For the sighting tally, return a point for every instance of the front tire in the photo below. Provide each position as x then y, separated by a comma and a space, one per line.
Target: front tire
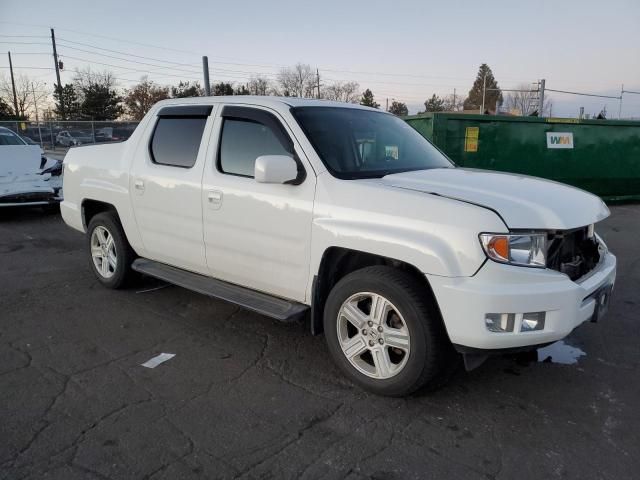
385, 333
110, 253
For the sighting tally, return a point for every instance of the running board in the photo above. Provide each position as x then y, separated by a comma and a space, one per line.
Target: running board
259, 302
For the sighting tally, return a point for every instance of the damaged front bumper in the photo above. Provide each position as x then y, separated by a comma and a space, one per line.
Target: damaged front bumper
515, 294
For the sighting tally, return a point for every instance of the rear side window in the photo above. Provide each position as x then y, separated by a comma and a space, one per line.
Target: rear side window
176, 141
242, 142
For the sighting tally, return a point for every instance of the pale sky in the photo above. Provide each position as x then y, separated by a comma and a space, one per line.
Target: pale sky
405, 50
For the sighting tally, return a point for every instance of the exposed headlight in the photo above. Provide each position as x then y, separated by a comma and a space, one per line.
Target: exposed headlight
528, 249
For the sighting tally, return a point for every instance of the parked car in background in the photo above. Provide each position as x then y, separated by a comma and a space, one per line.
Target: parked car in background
113, 134
26, 176
347, 217
71, 138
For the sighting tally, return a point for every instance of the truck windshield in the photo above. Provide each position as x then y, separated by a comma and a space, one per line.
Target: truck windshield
354, 143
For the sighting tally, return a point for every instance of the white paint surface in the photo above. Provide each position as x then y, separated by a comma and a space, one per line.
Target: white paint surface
158, 359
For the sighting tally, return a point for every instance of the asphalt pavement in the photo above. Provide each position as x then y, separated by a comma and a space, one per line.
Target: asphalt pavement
248, 397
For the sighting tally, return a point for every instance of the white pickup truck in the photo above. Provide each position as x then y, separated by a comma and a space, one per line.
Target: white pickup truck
347, 217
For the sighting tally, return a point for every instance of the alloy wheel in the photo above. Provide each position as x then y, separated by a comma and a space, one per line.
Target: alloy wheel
373, 335
103, 252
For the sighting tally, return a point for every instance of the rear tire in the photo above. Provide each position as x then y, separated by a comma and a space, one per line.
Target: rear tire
110, 254
385, 333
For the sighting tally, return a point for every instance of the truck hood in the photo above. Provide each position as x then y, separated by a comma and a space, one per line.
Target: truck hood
523, 202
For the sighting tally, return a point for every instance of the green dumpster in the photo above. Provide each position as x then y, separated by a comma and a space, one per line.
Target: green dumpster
601, 156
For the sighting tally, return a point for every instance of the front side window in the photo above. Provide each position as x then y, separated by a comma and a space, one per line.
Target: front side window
355, 143
176, 141
242, 142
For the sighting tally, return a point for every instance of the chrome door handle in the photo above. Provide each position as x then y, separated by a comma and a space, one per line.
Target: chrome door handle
214, 197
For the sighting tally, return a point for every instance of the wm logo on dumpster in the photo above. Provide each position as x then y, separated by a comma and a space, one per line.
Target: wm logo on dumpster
559, 140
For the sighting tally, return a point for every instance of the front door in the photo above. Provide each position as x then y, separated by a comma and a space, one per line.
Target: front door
256, 235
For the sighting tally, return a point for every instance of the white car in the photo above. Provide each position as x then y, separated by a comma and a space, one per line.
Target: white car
344, 216
73, 138
27, 177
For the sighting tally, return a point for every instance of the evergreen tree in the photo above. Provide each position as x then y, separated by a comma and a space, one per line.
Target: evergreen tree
69, 101
474, 100
6, 112
223, 88
187, 89
101, 103
434, 104
368, 100
98, 96
398, 108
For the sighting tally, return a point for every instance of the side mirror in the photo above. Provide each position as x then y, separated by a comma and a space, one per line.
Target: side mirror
275, 169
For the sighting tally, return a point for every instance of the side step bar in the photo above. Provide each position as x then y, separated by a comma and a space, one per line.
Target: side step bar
259, 302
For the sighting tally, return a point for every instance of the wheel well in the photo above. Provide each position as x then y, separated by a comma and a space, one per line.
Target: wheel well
338, 262
90, 208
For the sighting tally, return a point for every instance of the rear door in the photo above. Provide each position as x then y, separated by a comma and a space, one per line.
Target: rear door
256, 235
166, 188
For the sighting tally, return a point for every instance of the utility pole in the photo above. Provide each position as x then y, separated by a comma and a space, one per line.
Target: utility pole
454, 101
205, 72
387, 104
35, 103
541, 99
318, 82
620, 106
55, 60
484, 91
13, 86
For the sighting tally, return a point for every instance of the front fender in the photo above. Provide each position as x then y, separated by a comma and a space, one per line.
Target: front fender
436, 235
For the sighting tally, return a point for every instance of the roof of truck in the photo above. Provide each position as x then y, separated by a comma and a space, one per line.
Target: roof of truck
264, 100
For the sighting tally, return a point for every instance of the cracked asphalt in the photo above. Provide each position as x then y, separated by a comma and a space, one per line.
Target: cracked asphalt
248, 397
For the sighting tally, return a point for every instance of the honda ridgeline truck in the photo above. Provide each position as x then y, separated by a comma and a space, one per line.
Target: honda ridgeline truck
346, 217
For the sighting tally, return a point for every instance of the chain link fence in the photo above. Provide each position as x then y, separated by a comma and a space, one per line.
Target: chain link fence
52, 135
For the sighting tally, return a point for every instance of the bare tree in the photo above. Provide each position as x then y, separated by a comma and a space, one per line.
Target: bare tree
348, 92
87, 78
454, 103
297, 81
259, 85
25, 89
524, 102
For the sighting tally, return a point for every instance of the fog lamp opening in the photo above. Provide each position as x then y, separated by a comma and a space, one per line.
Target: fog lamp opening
500, 322
532, 321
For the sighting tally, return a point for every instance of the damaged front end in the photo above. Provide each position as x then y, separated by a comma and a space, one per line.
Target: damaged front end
574, 252
30, 190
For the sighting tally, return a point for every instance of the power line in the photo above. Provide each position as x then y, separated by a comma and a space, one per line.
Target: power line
127, 41
125, 59
123, 53
25, 43
23, 36
121, 67
584, 94
155, 65
31, 68
30, 53
262, 65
